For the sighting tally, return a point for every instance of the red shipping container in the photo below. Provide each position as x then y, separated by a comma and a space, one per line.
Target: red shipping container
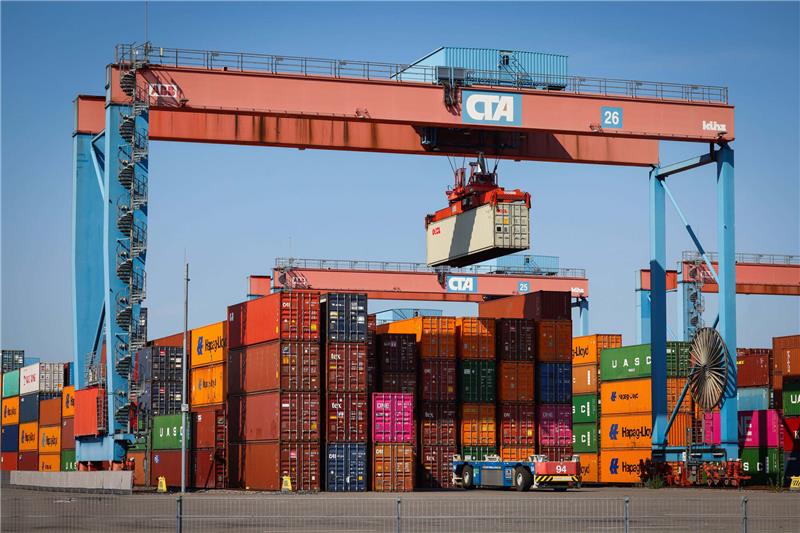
255, 417
288, 316
476, 338
301, 462
300, 416
438, 424
539, 305
399, 382
516, 382
255, 466
50, 412
554, 341
273, 365
554, 425
175, 340
517, 425
392, 417
204, 425
167, 464
516, 339
86, 401
437, 466
393, 468
438, 380
752, 369
8, 461
397, 352
204, 470
347, 417
68, 434
790, 426
347, 367
28, 461
785, 343
788, 362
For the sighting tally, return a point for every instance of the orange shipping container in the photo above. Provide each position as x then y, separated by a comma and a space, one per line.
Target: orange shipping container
516, 382
29, 437
68, 402
478, 426
636, 431
436, 335
584, 379
516, 453
50, 462
587, 349
589, 467
86, 410
11, 411
788, 361
393, 468
622, 466
50, 439
138, 458
554, 341
208, 344
476, 338
50, 412
631, 396
208, 385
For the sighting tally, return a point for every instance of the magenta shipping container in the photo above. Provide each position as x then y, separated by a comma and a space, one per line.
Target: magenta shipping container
711, 433
760, 429
555, 425
393, 417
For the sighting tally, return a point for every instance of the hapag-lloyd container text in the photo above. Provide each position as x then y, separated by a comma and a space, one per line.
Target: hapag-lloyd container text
208, 385
289, 316
586, 349
392, 417
208, 344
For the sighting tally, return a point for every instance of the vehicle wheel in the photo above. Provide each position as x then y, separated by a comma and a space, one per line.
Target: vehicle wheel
467, 479
522, 479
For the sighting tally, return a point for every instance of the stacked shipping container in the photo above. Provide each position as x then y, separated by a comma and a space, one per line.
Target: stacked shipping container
516, 354
40, 387
68, 429
478, 385
786, 385
10, 421
393, 442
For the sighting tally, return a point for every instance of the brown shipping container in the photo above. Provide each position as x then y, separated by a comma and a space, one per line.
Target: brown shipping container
399, 382
539, 305
138, 459
554, 341
752, 369
397, 352
785, 343
8, 461
347, 367
438, 380
301, 462
516, 382
204, 471
347, 417
50, 412
478, 427
437, 466
279, 364
516, 339
476, 338
255, 417
300, 416
436, 335
172, 340
517, 425
438, 424
68, 434
393, 468
288, 316
788, 362
167, 463
584, 379
28, 461
255, 466
586, 349
204, 423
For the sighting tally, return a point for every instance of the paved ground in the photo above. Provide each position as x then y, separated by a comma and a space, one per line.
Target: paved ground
588, 509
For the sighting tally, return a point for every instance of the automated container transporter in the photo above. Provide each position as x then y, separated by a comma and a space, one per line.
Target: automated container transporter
534, 472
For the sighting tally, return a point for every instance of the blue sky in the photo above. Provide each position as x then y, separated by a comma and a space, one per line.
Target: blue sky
232, 210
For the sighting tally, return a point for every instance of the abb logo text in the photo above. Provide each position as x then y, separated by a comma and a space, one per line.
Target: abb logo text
163, 90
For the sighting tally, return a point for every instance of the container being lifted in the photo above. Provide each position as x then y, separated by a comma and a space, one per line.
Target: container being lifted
481, 222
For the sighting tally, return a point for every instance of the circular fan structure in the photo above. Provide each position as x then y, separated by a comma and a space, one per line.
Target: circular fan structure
709, 374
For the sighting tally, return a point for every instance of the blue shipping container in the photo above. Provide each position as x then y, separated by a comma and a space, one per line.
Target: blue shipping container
752, 398
554, 382
346, 468
29, 408
10, 439
344, 316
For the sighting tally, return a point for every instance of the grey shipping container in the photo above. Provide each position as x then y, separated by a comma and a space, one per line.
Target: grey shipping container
12, 360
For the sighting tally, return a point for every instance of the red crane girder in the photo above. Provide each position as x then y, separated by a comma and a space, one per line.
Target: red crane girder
751, 278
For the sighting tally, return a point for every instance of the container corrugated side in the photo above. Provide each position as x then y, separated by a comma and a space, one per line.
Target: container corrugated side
346, 467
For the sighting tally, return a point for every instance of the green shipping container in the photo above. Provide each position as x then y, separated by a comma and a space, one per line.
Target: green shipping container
167, 432
478, 381
584, 408
791, 397
68, 461
633, 362
763, 465
584, 438
11, 384
478, 452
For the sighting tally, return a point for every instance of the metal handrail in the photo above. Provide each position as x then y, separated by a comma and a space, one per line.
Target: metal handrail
758, 259
399, 266
126, 54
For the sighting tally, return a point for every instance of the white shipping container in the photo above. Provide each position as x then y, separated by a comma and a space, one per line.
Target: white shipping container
479, 234
41, 377
29, 379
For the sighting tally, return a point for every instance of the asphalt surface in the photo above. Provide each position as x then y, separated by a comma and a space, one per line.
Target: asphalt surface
587, 509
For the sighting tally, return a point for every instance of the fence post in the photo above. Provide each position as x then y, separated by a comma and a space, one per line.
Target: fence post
398, 515
744, 514
627, 516
179, 516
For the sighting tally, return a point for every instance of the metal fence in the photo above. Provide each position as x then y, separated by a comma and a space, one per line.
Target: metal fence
452, 512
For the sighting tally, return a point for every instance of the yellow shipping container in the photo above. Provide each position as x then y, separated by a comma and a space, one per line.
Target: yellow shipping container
29, 437
622, 466
11, 411
208, 344
50, 439
589, 467
50, 462
208, 385
68, 402
586, 350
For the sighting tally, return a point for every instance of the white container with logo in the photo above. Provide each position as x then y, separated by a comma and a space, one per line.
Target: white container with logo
29, 378
41, 377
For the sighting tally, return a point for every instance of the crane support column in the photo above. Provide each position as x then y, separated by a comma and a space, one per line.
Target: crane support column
726, 238
658, 308
643, 316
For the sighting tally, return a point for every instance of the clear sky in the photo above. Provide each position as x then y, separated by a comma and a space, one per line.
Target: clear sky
232, 210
